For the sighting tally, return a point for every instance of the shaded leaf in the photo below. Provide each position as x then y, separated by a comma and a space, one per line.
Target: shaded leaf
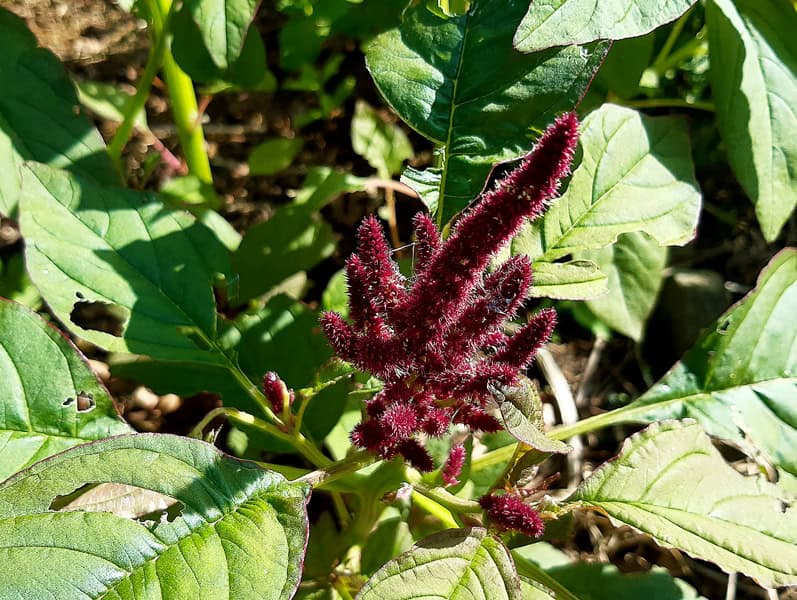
635, 264
384, 145
740, 379
40, 370
109, 102
671, 483
274, 155
223, 26
241, 532
295, 238
561, 22
754, 83
595, 581
636, 174
153, 265
459, 82
40, 117
453, 564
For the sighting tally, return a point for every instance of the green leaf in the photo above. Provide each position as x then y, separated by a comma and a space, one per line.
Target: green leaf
459, 82
384, 145
671, 483
294, 239
389, 539
274, 155
521, 412
740, 379
560, 22
223, 25
595, 581
754, 82
40, 118
635, 264
15, 283
636, 174
426, 183
624, 65
454, 564
572, 280
86, 243
245, 67
336, 295
41, 376
109, 102
241, 532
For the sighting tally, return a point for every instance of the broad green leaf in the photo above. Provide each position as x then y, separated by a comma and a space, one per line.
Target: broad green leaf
459, 82
223, 25
456, 564
740, 379
109, 102
671, 483
559, 22
754, 83
634, 263
384, 145
572, 280
241, 532
204, 61
294, 239
88, 243
40, 118
635, 174
336, 295
40, 372
596, 581
274, 155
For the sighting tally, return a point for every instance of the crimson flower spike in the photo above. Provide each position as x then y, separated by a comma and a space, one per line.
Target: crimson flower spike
438, 345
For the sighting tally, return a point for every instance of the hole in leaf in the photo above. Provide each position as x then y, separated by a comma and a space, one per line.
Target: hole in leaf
84, 401
99, 316
128, 501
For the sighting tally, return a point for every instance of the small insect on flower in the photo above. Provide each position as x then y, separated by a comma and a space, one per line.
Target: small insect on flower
438, 343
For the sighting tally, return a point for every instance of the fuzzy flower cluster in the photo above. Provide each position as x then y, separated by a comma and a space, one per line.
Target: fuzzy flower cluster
438, 344
508, 511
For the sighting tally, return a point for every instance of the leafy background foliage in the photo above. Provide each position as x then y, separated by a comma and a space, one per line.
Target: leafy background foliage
197, 301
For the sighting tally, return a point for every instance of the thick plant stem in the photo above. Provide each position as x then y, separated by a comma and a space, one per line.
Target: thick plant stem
333, 471
183, 101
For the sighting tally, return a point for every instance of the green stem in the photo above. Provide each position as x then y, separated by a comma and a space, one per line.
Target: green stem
625, 414
688, 50
332, 471
183, 101
428, 505
675, 32
668, 103
137, 102
447, 500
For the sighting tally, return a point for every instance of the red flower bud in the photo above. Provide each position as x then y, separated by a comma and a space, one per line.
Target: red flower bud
277, 392
453, 466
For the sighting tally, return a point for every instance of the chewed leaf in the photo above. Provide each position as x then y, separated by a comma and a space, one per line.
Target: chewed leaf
671, 483
241, 532
50, 399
